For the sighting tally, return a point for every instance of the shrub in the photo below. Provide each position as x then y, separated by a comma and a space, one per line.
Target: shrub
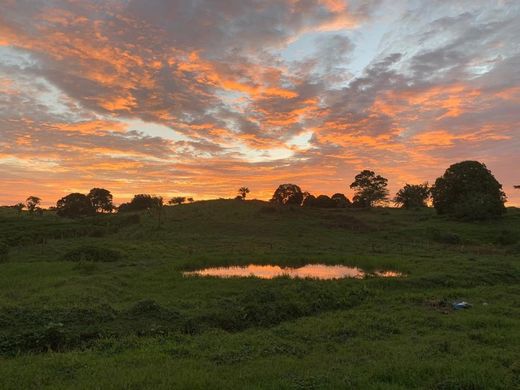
93, 253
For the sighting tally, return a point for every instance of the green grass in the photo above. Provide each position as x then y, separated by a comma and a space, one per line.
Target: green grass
102, 302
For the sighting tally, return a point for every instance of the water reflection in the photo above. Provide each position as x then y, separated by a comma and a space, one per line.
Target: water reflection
314, 271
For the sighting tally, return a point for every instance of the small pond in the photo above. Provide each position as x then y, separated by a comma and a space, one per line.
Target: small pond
314, 271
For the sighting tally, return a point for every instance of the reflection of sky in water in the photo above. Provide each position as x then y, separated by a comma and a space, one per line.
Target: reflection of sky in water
315, 271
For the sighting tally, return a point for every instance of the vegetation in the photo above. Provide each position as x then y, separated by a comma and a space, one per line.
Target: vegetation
142, 202
341, 200
370, 189
75, 205
101, 200
243, 191
413, 196
288, 194
178, 200
101, 302
468, 190
32, 204
84, 301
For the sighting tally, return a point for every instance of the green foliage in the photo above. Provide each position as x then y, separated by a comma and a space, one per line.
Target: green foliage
101, 200
92, 253
142, 202
413, 196
90, 324
323, 201
309, 201
341, 200
288, 194
32, 203
370, 189
469, 191
75, 205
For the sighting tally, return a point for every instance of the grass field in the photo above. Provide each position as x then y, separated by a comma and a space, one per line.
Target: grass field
137, 322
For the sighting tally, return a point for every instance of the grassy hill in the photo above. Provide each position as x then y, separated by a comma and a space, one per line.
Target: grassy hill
103, 303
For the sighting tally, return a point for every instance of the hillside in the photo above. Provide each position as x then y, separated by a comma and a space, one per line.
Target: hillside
105, 297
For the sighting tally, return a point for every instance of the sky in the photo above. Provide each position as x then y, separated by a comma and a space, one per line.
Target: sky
201, 97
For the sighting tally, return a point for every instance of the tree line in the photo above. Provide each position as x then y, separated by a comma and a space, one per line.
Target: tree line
466, 190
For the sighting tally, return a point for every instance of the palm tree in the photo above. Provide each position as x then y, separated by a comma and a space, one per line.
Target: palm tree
243, 191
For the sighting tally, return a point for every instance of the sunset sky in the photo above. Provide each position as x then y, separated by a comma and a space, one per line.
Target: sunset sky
200, 97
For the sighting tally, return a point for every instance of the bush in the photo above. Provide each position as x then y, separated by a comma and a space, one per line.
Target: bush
92, 253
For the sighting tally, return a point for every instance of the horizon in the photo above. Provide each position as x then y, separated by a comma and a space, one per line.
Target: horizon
200, 98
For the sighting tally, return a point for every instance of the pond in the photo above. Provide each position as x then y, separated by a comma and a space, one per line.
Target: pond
314, 271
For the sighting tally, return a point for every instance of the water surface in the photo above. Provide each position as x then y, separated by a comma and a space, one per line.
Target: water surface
314, 271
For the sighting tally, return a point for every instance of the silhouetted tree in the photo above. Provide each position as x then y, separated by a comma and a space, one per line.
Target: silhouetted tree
413, 196
32, 203
309, 201
370, 189
101, 200
178, 200
19, 207
287, 194
341, 200
323, 201
141, 202
517, 187
468, 190
75, 205
190, 199
243, 191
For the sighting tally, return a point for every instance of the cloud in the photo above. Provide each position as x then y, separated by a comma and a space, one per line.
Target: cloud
442, 85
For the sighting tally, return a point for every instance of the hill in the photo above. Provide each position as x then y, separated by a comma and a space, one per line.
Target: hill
102, 302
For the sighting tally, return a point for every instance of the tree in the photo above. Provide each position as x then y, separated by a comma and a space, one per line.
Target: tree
141, 202
75, 205
370, 189
32, 203
413, 196
468, 190
178, 200
517, 187
309, 201
190, 199
101, 200
323, 201
341, 200
287, 194
243, 191
19, 207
